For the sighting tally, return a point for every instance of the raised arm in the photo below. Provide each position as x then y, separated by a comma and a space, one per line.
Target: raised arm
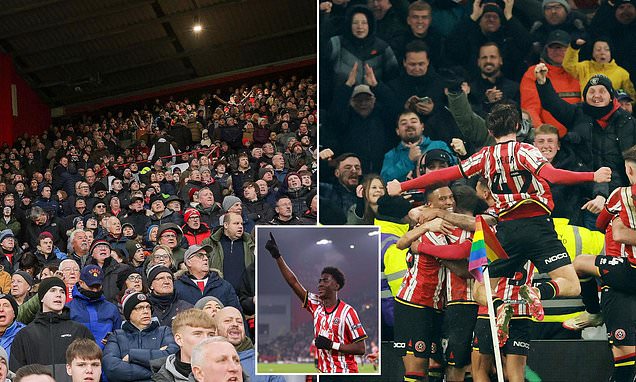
560, 176
441, 176
287, 273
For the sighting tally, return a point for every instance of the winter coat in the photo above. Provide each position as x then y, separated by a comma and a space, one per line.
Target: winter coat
210, 216
566, 86
45, 341
165, 313
6, 340
596, 146
188, 291
13, 224
167, 216
165, 371
397, 164
217, 255
55, 258
111, 270
99, 316
141, 346
139, 220
52, 226
49, 205
258, 210
196, 236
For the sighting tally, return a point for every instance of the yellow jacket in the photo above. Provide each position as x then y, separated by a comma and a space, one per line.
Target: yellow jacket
586, 69
578, 240
394, 259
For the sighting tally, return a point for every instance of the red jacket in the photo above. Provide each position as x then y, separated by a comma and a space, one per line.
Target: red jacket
566, 86
196, 237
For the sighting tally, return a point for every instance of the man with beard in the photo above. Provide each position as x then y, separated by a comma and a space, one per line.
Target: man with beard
339, 196
229, 324
90, 308
491, 86
399, 163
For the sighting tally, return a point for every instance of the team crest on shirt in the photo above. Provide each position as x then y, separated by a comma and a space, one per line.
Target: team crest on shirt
619, 334
433, 348
336, 321
420, 346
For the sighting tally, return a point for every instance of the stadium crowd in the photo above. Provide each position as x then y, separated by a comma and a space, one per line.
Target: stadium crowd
118, 227
408, 88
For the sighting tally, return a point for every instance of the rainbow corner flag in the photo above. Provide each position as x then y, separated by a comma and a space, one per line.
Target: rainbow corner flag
485, 249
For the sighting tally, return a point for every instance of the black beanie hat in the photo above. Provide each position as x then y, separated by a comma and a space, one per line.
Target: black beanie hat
393, 208
12, 301
123, 275
155, 270
47, 284
130, 301
599, 79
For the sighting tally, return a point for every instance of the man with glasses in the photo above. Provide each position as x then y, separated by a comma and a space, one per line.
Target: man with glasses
194, 230
129, 350
170, 235
199, 281
70, 275
165, 302
89, 307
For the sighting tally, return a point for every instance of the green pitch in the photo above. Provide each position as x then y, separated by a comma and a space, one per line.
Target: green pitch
308, 368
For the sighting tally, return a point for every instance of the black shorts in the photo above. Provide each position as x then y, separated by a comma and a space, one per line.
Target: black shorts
417, 331
617, 273
619, 313
518, 342
532, 239
457, 333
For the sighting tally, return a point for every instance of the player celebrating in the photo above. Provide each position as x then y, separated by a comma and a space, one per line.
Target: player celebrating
518, 176
338, 333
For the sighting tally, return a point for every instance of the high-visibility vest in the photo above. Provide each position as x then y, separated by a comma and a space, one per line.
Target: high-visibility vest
393, 259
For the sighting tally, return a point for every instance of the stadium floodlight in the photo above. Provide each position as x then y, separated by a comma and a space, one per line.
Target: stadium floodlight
323, 242
197, 28
352, 246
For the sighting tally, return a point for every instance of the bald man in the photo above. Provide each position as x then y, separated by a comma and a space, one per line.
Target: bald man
229, 324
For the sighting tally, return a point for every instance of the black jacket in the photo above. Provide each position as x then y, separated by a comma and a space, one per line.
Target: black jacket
45, 340
165, 308
597, 146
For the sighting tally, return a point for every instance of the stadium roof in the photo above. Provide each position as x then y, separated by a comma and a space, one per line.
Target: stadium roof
75, 51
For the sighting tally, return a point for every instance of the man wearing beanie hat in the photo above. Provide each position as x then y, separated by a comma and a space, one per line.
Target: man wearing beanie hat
45, 340
490, 20
232, 249
9, 326
194, 230
164, 301
235, 205
89, 306
161, 214
21, 284
556, 15
100, 255
136, 255
136, 215
210, 305
129, 350
200, 281
600, 130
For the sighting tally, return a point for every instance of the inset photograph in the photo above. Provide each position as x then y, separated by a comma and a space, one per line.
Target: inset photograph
317, 300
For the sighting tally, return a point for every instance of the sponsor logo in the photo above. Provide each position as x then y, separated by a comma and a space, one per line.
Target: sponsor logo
420, 346
433, 348
554, 258
616, 261
521, 344
66, 335
399, 345
619, 334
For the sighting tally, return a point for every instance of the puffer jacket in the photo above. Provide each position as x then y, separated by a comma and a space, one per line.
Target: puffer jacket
196, 236
99, 316
165, 308
6, 340
141, 346
45, 341
188, 291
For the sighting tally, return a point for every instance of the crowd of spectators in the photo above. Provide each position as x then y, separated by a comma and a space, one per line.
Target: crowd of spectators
114, 223
448, 63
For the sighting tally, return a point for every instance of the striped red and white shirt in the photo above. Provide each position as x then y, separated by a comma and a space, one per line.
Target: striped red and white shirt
508, 290
627, 214
340, 324
458, 288
613, 206
424, 281
511, 169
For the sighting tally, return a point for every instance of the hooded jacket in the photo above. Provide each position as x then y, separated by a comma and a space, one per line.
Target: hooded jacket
196, 236
99, 316
165, 371
141, 346
6, 340
397, 164
342, 52
188, 291
45, 341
